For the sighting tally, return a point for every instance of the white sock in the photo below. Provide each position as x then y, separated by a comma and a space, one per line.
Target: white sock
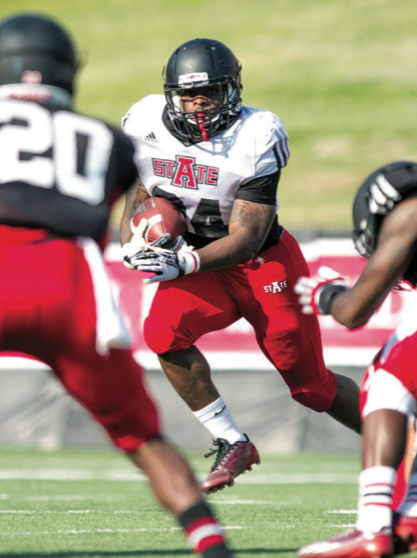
409, 506
217, 419
376, 486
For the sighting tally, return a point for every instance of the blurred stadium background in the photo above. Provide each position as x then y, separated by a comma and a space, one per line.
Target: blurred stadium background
340, 75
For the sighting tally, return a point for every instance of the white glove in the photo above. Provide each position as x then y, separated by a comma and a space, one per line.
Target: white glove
138, 243
316, 295
383, 196
165, 264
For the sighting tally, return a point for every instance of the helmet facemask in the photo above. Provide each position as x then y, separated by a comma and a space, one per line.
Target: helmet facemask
365, 235
204, 123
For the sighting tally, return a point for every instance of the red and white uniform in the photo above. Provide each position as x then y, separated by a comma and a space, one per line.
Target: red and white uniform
205, 179
59, 174
390, 382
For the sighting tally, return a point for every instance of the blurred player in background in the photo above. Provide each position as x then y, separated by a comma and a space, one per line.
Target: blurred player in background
220, 163
385, 232
60, 172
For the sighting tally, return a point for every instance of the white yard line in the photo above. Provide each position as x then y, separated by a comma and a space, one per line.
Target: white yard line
55, 498
91, 531
253, 478
39, 512
251, 502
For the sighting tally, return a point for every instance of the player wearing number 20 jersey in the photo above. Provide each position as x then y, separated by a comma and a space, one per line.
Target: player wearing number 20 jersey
59, 170
59, 174
221, 162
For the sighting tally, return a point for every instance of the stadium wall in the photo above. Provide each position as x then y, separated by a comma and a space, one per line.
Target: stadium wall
36, 412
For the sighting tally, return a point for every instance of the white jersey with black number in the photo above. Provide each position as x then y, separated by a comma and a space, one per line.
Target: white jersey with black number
205, 178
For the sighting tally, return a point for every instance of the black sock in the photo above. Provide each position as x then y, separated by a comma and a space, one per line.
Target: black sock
203, 532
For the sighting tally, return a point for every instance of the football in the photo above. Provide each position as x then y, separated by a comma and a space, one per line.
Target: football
163, 217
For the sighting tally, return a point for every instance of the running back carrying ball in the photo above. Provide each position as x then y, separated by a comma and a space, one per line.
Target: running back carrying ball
163, 217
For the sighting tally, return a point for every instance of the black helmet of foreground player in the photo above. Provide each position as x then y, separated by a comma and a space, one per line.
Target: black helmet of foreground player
199, 63
36, 50
378, 195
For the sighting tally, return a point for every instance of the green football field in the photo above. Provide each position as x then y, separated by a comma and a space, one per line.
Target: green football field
95, 504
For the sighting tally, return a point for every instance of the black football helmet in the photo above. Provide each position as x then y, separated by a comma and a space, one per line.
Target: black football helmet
402, 176
199, 63
34, 47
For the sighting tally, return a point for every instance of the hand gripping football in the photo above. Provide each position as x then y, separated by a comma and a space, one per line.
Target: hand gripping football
163, 217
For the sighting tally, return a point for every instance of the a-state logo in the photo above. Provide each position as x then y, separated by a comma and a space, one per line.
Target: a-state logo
185, 173
276, 287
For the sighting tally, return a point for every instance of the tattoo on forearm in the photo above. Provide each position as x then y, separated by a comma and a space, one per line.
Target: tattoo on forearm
134, 197
250, 214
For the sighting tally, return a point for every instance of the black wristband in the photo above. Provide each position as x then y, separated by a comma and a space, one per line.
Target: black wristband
326, 296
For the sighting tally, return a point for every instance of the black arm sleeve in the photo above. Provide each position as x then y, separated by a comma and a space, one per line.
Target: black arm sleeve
261, 190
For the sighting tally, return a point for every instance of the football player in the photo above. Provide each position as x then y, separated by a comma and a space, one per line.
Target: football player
220, 162
60, 172
385, 232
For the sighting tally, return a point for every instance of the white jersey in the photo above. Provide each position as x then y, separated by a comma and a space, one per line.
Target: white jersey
205, 178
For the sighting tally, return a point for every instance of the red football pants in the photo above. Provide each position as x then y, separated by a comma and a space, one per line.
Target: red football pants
262, 292
397, 357
47, 310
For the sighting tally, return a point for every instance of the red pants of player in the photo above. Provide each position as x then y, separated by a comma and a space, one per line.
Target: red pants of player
262, 292
48, 311
397, 359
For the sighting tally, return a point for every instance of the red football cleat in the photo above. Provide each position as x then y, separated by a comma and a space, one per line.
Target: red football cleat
232, 460
352, 544
405, 533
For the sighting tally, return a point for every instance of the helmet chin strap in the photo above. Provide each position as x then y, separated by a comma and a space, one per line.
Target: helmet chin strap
200, 123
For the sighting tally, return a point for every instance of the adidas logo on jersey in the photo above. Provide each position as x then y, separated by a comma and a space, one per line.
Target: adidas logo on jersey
151, 137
